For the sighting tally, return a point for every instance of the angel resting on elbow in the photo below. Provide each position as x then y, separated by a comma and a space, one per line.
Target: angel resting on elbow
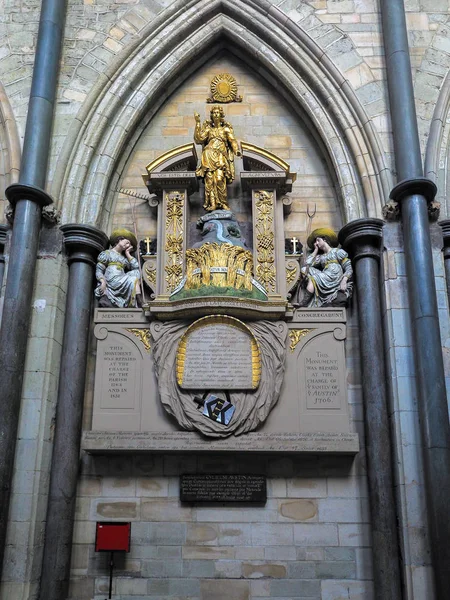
118, 272
327, 275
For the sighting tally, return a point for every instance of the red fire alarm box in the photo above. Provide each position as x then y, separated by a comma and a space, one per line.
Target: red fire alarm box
113, 537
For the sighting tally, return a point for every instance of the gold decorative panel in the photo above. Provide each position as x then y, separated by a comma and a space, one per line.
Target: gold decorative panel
265, 239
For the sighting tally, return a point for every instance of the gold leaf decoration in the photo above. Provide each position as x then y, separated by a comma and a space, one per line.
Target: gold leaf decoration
295, 335
265, 240
174, 239
143, 335
150, 271
224, 89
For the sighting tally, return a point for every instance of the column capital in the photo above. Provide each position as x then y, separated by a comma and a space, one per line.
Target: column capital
83, 242
362, 238
416, 185
25, 191
445, 226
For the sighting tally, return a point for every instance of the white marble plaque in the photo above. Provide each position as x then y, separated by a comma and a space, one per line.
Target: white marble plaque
218, 356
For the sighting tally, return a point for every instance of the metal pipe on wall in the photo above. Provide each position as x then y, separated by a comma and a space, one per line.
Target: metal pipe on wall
413, 191
28, 197
83, 244
363, 240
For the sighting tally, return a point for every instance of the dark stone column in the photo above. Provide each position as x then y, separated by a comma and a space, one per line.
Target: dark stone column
445, 225
83, 244
28, 197
363, 241
3, 233
28, 203
413, 192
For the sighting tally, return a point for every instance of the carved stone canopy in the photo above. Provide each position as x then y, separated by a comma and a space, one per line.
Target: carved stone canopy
173, 169
176, 169
264, 169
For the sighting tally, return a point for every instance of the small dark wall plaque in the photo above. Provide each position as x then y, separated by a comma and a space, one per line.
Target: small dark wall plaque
223, 488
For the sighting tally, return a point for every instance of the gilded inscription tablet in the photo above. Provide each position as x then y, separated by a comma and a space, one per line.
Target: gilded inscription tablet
218, 353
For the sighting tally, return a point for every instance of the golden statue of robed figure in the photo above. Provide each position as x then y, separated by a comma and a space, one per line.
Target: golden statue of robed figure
217, 162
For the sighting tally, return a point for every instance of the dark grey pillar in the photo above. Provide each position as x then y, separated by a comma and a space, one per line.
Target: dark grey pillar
413, 192
83, 244
445, 225
363, 241
3, 233
28, 197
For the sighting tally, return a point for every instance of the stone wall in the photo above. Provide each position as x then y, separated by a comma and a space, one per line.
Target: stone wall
313, 537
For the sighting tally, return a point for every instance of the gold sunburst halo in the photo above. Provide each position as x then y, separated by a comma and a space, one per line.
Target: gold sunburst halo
224, 89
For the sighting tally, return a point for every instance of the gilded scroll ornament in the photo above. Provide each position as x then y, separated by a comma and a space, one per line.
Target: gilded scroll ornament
291, 272
295, 335
174, 239
265, 240
143, 335
150, 272
217, 162
224, 89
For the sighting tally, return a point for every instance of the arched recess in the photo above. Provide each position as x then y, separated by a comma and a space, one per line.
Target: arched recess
262, 36
438, 147
10, 152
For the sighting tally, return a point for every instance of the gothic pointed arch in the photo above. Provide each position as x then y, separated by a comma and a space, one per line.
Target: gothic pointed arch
9, 148
129, 94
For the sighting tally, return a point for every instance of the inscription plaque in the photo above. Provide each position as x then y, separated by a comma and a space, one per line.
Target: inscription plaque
119, 374
322, 381
223, 488
218, 353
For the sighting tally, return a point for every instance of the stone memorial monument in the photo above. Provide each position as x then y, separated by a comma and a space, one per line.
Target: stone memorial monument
219, 358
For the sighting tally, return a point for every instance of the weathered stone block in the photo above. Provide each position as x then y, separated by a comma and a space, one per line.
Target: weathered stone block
224, 590
115, 509
165, 510
281, 534
260, 570
298, 510
315, 534
291, 588
351, 590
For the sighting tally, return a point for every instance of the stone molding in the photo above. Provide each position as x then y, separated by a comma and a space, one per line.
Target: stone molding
11, 150
283, 53
445, 226
418, 185
83, 242
25, 191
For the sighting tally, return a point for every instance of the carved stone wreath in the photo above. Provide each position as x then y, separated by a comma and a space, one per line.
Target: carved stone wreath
252, 407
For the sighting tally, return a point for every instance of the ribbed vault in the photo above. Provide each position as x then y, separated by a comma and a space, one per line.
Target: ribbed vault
135, 87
